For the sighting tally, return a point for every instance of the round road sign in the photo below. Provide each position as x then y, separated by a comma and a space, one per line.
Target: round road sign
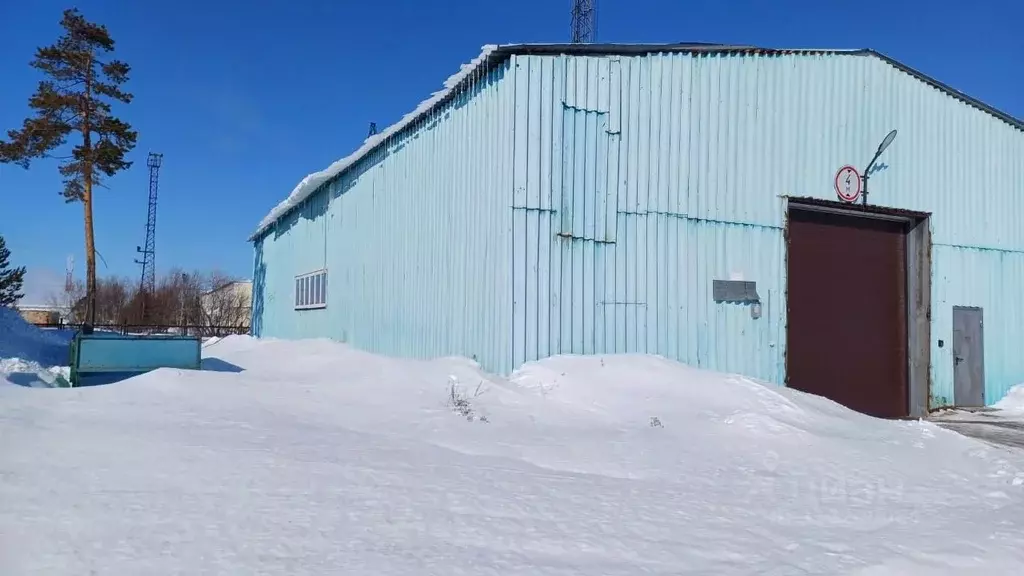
848, 184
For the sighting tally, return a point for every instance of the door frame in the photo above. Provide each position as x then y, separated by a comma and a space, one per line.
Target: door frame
981, 349
918, 297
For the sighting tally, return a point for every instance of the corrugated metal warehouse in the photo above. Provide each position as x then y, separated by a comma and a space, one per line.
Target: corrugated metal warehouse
682, 200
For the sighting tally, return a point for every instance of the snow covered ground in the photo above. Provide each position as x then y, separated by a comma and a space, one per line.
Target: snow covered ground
30, 356
1002, 423
1013, 402
312, 458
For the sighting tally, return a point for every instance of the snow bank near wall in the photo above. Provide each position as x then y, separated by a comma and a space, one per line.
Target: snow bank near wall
310, 183
303, 457
30, 356
1013, 401
19, 339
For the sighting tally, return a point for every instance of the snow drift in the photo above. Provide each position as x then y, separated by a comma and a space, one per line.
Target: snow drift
310, 458
1013, 401
30, 356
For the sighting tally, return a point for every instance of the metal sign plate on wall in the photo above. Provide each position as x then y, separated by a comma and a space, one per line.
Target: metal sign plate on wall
848, 184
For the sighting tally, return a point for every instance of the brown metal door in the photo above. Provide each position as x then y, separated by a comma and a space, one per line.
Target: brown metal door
846, 332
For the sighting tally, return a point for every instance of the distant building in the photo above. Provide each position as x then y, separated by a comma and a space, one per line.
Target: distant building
40, 315
228, 305
683, 200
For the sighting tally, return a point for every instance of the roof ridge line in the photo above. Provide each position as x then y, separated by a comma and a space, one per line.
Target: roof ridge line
491, 53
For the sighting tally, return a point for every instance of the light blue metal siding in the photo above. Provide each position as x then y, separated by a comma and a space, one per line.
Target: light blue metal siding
614, 251
415, 238
297, 244
640, 179
993, 280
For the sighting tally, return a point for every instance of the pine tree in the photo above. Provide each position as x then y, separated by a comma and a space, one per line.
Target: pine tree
10, 278
74, 98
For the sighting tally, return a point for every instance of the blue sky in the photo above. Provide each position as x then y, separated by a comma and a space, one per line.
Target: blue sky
246, 98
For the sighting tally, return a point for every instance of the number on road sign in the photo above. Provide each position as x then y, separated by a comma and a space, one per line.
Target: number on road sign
848, 184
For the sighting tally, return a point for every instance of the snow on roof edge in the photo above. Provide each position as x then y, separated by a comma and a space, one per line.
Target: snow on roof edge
313, 181
308, 185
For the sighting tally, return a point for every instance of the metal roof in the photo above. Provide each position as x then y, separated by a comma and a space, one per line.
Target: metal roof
493, 56
708, 48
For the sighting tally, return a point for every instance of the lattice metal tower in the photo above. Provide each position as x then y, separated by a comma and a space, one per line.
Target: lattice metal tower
584, 21
148, 284
69, 276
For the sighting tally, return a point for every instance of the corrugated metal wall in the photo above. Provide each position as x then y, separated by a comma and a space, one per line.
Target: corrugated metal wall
614, 248
416, 240
639, 180
993, 280
635, 181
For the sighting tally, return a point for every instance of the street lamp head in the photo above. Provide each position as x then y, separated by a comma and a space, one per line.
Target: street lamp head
867, 171
885, 143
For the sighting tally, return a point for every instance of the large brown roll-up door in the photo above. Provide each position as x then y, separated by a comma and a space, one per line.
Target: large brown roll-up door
846, 293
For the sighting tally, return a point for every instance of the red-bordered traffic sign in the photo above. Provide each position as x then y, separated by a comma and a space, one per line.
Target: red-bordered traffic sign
848, 184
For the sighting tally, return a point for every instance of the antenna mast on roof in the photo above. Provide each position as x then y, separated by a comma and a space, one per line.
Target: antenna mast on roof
584, 21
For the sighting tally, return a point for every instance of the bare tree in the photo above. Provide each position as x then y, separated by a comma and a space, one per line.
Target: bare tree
111, 298
208, 303
226, 303
66, 299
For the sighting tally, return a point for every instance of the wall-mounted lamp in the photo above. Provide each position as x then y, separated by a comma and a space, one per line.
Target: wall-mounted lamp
881, 148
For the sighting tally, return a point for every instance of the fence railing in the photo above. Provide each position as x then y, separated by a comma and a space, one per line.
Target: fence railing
185, 330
